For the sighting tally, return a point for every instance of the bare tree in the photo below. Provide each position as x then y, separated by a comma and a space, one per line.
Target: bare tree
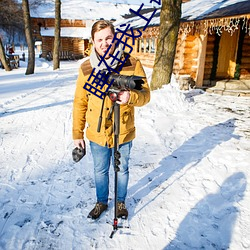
169, 27
11, 16
56, 59
11, 24
28, 33
3, 57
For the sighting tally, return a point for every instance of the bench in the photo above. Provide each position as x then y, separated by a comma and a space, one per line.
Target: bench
13, 61
63, 55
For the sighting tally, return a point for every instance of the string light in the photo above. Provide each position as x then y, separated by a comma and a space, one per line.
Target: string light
218, 25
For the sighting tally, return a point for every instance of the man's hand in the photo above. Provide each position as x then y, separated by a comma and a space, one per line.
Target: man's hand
79, 143
123, 97
79, 151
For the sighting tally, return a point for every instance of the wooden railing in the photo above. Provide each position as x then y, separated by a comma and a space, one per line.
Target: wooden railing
64, 55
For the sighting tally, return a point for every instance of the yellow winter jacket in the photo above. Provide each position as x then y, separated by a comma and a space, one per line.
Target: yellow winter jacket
87, 107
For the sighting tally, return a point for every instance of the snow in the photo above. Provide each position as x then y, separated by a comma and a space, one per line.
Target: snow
192, 10
80, 32
189, 169
84, 10
197, 9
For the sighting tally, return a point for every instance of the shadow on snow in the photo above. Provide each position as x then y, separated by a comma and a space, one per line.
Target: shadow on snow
22, 110
210, 223
207, 213
190, 153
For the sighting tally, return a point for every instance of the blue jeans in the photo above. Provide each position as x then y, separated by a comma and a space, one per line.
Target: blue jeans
102, 158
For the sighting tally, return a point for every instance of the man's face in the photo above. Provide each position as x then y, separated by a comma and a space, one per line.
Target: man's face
102, 40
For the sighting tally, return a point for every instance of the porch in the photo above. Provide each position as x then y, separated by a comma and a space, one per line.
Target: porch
231, 87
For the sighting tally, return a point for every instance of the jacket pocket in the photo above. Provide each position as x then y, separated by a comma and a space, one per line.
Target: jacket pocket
127, 120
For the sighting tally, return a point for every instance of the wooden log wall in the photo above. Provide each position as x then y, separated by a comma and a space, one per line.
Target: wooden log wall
178, 61
47, 45
66, 44
209, 57
186, 55
73, 45
50, 22
79, 46
191, 55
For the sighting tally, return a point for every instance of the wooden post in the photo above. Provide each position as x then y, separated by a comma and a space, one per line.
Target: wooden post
201, 60
149, 45
144, 45
140, 43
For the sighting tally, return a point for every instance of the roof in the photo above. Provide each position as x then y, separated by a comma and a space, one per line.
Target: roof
194, 10
77, 32
209, 9
82, 10
138, 22
232, 10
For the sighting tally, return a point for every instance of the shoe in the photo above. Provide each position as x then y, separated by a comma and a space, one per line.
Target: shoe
97, 210
122, 211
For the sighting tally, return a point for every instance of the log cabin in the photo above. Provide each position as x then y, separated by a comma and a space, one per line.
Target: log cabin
213, 43
74, 37
77, 18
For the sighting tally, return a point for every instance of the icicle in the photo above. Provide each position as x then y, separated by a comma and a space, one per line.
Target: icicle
216, 25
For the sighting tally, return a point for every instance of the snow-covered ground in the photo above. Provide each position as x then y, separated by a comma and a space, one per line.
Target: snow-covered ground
189, 169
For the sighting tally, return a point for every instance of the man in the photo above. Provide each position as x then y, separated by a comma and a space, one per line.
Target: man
87, 107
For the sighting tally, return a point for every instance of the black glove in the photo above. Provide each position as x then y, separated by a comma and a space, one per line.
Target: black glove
78, 153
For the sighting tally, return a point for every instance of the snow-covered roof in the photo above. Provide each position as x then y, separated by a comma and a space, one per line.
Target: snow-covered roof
92, 10
194, 10
206, 9
79, 32
83, 10
138, 22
